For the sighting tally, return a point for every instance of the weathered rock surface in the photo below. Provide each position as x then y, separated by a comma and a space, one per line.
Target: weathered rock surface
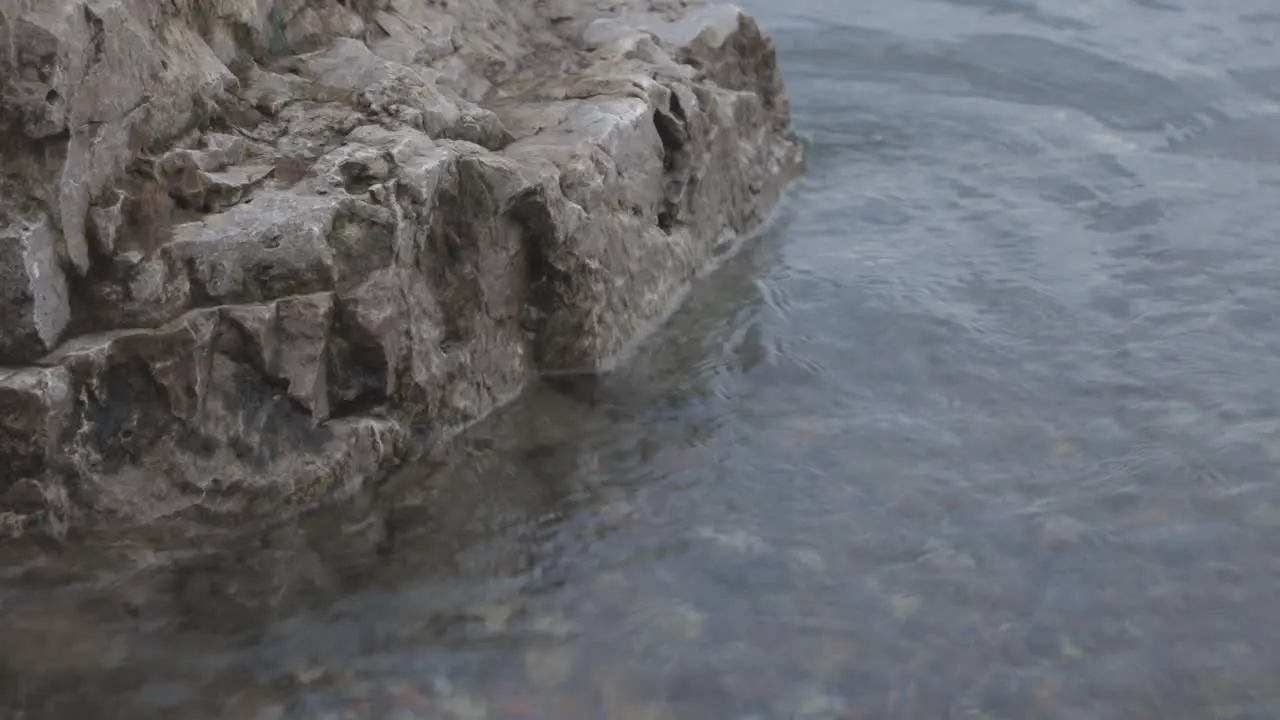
250, 248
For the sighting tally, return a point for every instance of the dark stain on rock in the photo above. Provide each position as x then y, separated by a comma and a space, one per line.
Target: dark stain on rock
127, 414
357, 367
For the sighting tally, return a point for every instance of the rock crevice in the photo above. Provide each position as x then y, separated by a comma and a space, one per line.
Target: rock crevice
250, 248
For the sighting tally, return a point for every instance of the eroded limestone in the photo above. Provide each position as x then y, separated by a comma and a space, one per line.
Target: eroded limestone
249, 250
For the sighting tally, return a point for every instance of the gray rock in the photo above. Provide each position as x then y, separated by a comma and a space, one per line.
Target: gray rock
106, 219
97, 80
34, 303
288, 342
259, 246
35, 407
220, 409
203, 179
400, 93
275, 247
133, 289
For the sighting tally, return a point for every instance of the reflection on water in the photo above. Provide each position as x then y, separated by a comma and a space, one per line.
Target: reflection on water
986, 426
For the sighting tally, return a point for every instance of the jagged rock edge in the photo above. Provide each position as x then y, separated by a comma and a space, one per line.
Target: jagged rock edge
227, 359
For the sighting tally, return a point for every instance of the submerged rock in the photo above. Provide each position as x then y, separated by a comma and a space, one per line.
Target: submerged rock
248, 250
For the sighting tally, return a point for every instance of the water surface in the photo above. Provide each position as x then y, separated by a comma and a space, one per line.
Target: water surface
987, 425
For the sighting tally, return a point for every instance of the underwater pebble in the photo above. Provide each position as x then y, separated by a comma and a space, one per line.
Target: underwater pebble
1062, 530
550, 667
810, 559
904, 606
738, 540
408, 697
496, 617
462, 707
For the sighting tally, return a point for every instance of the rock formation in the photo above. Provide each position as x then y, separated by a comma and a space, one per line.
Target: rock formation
250, 248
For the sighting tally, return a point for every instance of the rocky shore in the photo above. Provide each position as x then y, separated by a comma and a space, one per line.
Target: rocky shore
254, 252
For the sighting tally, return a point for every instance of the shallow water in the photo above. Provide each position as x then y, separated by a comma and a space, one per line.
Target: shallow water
986, 426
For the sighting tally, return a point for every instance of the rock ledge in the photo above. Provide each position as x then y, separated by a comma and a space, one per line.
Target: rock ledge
250, 248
